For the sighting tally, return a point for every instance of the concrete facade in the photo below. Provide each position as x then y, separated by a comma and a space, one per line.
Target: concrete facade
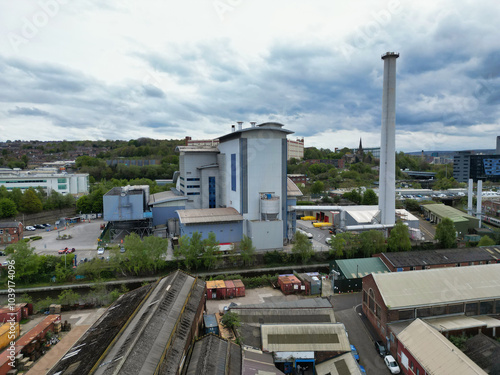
63, 183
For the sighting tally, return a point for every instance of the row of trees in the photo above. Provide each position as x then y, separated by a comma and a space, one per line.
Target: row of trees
194, 251
365, 244
31, 201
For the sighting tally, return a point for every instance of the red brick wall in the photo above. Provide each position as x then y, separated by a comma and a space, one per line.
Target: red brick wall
411, 360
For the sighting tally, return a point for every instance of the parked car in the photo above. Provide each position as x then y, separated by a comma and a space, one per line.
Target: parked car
355, 353
46, 225
100, 251
380, 348
30, 228
62, 251
328, 240
72, 250
391, 364
2, 253
362, 369
122, 249
39, 226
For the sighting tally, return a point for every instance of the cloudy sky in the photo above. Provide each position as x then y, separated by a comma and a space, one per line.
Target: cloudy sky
126, 69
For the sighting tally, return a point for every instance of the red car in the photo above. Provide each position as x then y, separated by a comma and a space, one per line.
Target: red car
62, 251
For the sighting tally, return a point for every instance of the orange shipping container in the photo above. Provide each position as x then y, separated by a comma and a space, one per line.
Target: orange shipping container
5, 338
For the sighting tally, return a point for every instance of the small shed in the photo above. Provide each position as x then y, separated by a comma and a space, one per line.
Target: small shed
221, 289
230, 289
239, 288
210, 324
211, 289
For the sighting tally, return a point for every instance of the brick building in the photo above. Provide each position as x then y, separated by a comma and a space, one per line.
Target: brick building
10, 232
391, 301
422, 260
491, 207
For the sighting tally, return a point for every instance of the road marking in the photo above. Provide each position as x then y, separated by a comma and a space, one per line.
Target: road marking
81, 316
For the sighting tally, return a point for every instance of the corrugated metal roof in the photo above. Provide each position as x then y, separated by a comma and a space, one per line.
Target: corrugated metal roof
257, 363
435, 353
287, 316
360, 267
456, 322
309, 303
341, 365
209, 215
442, 210
446, 256
439, 286
292, 190
165, 196
304, 337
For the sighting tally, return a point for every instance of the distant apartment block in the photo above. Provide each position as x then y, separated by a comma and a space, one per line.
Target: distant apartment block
478, 167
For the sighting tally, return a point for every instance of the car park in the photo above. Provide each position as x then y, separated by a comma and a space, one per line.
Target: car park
354, 352
391, 364
380, 348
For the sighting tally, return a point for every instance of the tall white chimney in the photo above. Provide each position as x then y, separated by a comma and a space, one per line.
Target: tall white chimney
240, 125
387, 175
470, 194
479, 200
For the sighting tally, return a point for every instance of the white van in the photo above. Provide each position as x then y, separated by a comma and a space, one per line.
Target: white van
309, 235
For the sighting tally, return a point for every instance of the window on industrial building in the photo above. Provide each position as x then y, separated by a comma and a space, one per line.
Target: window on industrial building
406, 314
438, 310
62, 187
193, 179
211, 192
377, 311
422, 313
61, 180
471, 309
233, 172
497, 307
371, 300
486, 308
197, 193
364, 297
1, 231
193, 186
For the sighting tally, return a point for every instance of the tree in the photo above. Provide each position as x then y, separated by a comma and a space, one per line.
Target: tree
302, 247
247, 250
354, 196
7, 208
317, 187
399, 238
27, 263
231, 320
369, 197
191, 249
68, 297
345, 245
30, 203
486, 241
210, 250
84, 205
446, 234
372, 242
412, 205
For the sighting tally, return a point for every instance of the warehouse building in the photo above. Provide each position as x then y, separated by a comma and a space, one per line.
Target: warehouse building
213, 355
464, 223
392, 300
344, 364
350, 272
423, 260
148, 330
423, 350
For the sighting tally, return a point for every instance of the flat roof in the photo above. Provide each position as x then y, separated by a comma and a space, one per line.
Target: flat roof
438, 286
445, 256
434, 352
304, 337
360, 267
273, 126
309, 303
209, 215
344, 364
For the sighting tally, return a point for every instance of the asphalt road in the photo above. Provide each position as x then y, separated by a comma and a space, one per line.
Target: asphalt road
347, 309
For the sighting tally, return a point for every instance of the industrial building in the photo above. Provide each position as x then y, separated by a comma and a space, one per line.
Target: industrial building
146, 331
423, 260
463, 222
343, 364
245, 172
349, 273
62, 183
423, 350
461, 299
213, 355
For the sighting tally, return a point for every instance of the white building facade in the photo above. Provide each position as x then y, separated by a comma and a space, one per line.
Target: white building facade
63, 183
